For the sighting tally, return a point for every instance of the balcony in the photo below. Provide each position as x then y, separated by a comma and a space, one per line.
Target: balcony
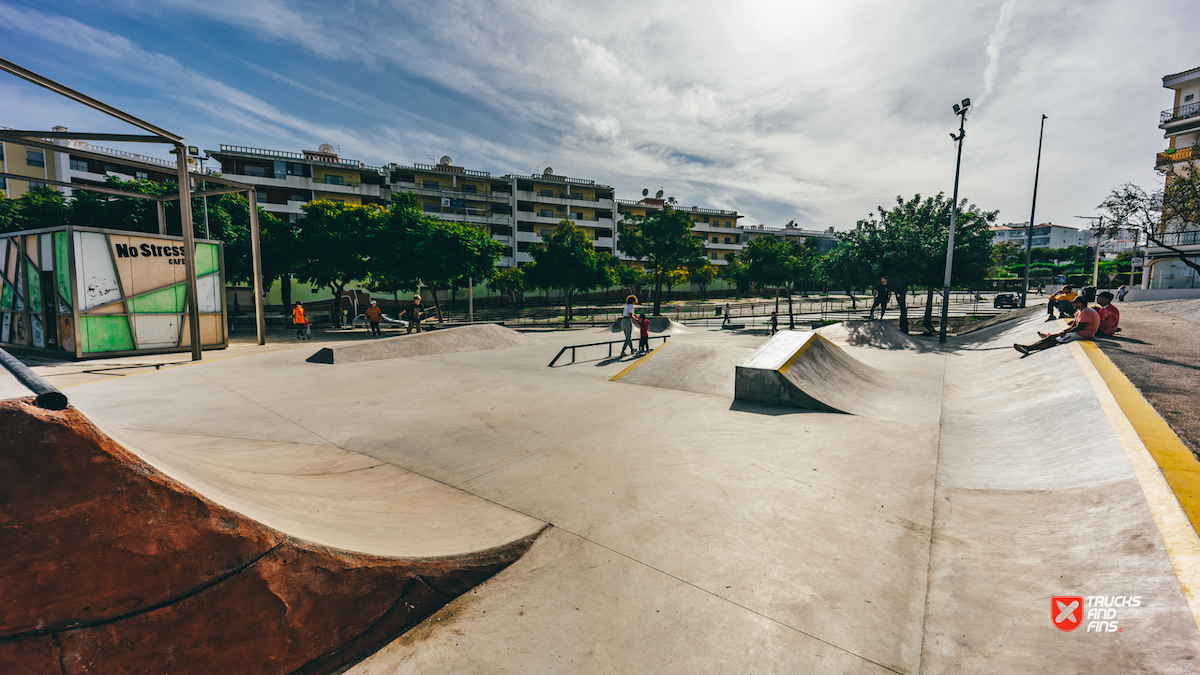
1188, 154
1177, 239
1183, 112
459, 192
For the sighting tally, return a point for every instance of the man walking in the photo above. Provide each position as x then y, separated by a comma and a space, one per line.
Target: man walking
882, 294
726, 320
374, 314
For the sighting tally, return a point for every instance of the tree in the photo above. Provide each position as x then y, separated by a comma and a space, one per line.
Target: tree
510, 280
702, 274
567, 260
1007, 253
37, 208
1158, 217
448, 253
664, 240
736, 273
908, 245
628, 277
334, 248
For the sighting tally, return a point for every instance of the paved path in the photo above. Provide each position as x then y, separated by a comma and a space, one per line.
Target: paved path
692, 535
1160, 353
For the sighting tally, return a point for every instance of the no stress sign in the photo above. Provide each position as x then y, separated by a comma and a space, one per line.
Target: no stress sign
174, 253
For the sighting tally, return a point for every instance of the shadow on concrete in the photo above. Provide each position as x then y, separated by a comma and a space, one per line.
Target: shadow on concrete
773, 410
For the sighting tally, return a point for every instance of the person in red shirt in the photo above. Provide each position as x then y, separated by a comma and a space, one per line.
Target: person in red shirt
1082, 327
643, 333
1110, 316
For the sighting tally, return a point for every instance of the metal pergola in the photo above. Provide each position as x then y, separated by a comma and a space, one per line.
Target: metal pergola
38, 139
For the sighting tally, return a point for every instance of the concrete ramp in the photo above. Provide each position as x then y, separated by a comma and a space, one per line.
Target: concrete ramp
879, 334
658, 324
703, 369
802, 369
445, 341
112, 566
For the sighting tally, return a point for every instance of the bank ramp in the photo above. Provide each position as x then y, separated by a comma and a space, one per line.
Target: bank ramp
112, 565
472, 338
802, 369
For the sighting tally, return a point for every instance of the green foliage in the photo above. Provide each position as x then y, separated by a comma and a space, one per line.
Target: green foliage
772, 262
333, 245
509, 280
702, 274
1007, 253
736, 272
567, 260
664, 240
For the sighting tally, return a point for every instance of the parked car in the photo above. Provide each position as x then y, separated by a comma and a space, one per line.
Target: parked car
360, 321
1006, 300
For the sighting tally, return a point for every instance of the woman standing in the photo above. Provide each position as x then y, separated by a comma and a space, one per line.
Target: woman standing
627, 317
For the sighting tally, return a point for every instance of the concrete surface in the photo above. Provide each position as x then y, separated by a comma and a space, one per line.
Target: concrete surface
927, 532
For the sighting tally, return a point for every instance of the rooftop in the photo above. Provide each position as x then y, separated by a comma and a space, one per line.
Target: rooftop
314, 156
1169, 80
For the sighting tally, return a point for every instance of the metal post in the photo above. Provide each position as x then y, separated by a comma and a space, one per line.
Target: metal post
260, 322
470, 300
1096, 255
962, 120
189, 244
162, 217
1137, 235
1032, 210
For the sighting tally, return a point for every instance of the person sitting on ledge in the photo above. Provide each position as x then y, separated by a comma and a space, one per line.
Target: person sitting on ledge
1110, 316
1082, 327
1062, 301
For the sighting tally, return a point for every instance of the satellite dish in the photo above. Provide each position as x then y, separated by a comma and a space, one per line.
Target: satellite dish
445, 161
658, 195
327, 149
548, 172
645, 191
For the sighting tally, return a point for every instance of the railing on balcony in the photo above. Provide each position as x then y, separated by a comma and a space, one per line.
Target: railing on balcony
1187, 154
1188, 238
81, 145
1181, 113
260, 152
453, 169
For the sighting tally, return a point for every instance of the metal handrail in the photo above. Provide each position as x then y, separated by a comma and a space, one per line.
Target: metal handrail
610, 343
47, 396
1180, 113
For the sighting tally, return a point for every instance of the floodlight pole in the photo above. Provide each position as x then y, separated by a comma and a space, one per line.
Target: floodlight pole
260, 322
189, 244
1032, 210
962, 120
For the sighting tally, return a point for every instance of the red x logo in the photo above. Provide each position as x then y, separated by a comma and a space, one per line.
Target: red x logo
1066, 611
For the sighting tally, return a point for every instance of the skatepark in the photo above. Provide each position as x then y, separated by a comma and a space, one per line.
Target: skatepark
850, 500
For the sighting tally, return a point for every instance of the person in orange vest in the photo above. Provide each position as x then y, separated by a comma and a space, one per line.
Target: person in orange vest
374, 314
299, 320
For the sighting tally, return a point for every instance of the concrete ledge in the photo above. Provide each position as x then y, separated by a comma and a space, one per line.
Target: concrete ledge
1142, 294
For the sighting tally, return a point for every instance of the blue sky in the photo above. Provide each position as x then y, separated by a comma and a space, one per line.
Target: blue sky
813, 111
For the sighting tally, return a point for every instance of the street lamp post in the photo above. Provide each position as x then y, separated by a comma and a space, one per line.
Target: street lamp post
958, 140
1032, 210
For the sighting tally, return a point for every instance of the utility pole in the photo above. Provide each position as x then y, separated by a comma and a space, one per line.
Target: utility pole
1032, 210
1096, 251
958, 140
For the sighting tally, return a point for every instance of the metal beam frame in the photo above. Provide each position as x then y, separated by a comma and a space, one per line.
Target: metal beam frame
84, 136
81, 186
184, 177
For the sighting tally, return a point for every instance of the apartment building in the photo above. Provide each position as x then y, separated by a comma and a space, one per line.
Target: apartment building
1046, 235
826, 239
1181, 128
542, 200
718, 228
465, 195
288, 180
64, 166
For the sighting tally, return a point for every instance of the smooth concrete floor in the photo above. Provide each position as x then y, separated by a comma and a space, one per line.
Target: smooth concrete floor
693, 535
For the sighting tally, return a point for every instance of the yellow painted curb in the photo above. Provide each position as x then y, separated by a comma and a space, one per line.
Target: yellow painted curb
1152, 447
637, 363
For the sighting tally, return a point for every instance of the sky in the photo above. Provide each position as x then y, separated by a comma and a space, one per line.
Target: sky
817, 112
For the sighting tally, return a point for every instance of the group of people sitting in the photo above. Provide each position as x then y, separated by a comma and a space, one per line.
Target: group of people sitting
1085, 323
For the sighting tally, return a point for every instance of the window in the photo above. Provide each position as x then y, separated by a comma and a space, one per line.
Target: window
141, 175
546, 213
280, 169
546, 193
1041, 231
577, 215
715, 240
1188, 97
727, 241
35, 158
432, 208
523, 246
469, 189
34, 185
79, 164
524, 227
331, 179
577, 195
1, 152
1041, 241
545, 232
257, 171
338, 201
3, 184
431, 185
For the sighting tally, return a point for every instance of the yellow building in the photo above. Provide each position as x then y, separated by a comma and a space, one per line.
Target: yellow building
459, 194
717, 228
18, 160
542, 200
